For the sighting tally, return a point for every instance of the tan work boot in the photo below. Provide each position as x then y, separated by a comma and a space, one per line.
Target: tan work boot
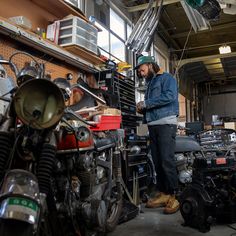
159, 201
172, 206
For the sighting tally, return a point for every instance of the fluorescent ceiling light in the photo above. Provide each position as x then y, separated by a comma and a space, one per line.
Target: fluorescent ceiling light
224, 49
197, 21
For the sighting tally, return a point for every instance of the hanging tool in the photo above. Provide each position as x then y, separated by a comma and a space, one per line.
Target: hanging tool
142, 34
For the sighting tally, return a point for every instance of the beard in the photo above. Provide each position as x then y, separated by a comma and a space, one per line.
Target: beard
150, 75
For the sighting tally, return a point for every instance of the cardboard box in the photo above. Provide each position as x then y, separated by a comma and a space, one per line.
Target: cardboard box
112, 111
142, 130
230, 125
207, 127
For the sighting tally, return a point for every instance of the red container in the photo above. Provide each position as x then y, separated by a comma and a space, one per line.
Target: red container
107, 122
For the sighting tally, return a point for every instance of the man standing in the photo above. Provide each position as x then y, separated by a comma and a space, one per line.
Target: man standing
160, 109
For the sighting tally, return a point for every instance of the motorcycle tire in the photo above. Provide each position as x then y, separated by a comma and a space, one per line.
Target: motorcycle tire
15, 228
87, 232
113, 217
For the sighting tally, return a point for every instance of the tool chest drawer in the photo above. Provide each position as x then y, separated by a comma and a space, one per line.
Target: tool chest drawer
124, 88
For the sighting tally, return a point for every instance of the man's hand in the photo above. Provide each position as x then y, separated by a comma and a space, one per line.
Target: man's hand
140, 107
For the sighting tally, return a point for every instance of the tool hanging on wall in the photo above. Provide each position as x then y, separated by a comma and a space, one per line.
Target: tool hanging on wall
142, 34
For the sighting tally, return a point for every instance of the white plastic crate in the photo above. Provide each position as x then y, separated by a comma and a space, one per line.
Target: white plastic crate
75, 31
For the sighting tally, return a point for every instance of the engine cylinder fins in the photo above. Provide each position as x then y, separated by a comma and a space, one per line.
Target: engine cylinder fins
117, 163
86, 178
45, 167
5, 146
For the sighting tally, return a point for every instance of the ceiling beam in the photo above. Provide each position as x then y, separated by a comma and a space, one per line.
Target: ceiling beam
213, 28
204, 58
144, 6
205, 47
168, 37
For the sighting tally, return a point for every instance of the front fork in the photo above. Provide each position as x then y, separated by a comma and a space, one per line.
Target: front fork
22, 194
117, 171
113, 163
5, 144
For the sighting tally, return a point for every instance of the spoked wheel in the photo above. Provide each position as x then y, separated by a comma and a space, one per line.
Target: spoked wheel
112, 217
15, 228
114, 211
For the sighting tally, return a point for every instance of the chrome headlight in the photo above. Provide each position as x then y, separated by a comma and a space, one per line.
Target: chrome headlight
39, 103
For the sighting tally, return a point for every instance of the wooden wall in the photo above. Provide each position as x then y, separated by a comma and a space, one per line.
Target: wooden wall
38, 17
54, 67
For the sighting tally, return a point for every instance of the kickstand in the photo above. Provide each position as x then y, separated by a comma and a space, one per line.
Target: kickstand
127, 191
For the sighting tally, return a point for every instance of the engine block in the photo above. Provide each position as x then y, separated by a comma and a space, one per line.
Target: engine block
211, 195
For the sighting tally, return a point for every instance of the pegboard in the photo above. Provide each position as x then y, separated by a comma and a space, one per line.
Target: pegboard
53, 67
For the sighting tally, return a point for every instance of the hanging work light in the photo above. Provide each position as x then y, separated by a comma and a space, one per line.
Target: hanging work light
224, 49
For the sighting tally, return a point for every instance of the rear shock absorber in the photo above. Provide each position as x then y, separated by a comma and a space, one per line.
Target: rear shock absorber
5, 146
117, 167
45, 167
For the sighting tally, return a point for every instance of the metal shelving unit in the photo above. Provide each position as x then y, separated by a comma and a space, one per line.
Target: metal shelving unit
135, 164
124, 88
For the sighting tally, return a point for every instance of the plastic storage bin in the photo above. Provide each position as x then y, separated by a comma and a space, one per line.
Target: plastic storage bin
21, 21
107, 122
75, 31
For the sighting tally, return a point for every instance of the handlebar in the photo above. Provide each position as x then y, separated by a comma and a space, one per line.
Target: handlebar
11, 64
4, 62
40, 67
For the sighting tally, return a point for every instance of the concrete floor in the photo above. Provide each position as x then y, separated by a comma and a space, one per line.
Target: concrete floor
152, 222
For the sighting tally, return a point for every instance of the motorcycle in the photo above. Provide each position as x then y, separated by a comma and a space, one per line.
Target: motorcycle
56, 178
95, 153
186, 150
210, 198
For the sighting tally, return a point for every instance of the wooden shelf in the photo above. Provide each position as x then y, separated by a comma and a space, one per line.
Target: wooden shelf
40, 13
47, 46
58, 8
86, 55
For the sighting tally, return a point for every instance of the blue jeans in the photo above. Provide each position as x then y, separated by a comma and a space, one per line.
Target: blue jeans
162, 143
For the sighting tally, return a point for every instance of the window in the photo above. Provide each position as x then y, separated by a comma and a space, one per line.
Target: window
112, 40
103, 37
76, 3
117, 24
117, 48
161, 60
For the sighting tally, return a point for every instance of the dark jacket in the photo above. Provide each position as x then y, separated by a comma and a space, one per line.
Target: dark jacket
161, 97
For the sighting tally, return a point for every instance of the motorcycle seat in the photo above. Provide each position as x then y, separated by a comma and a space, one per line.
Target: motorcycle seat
186, 144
